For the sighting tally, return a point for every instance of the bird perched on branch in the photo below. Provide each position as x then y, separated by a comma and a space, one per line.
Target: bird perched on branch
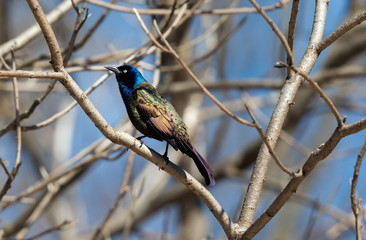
155, 117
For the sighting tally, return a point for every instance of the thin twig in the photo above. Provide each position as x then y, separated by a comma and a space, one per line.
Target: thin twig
152, 38
277, 31
93, 28
5, 169
356, 204
271, 151
30, 74
34, 30
123, 190
223, 11
319, 154
65, 225
340, 31
67, 108
291, 31
204, 89
208, 32
49, 35
17, 163
280, 112
17, 118
320, 91
80, 20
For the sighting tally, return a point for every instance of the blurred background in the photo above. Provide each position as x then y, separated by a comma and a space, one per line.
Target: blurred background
71, 173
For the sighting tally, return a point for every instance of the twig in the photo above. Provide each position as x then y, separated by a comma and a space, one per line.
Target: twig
320, 91
291, 30
93, 28
5, 169
157, 71
152, 38
31, 109
67, 108
33, 31
30, 74
271, 151
277, 31
340, 31
17, 163
65, 225
37, 211
78, 24
223, 11
123, 190
356, 204
288, 93
203, 36
319, 154
204, 89
17, 119
49, 35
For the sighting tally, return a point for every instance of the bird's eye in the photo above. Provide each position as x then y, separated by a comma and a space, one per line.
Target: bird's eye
124, 71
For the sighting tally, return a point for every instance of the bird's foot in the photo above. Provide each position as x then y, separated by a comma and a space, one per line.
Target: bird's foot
166, 161
140, 140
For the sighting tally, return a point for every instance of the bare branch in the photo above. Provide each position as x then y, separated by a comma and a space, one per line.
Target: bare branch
280, 4
277, 31
32, 32
319, 154
204, 89
356, 204
280, 112
340, 31
123, 190
271, 151
320, 91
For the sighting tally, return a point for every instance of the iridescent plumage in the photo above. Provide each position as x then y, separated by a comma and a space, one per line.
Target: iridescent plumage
155, 117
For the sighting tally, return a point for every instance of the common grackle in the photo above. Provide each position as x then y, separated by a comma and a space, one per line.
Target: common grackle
155, 117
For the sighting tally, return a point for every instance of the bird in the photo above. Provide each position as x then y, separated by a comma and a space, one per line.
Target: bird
155, 117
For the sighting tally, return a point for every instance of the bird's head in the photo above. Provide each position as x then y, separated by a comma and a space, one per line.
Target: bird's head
128, 78
127, 75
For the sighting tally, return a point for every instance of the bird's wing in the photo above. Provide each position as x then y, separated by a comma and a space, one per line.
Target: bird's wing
156, 116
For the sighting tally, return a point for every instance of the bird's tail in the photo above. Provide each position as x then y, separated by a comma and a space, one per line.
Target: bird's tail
203, 167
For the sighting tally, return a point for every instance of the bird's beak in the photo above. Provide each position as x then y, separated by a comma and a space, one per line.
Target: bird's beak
113, 69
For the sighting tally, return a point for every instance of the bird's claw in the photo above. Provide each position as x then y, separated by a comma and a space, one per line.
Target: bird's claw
141, 142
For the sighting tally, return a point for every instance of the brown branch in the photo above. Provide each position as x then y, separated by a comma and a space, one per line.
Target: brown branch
29, 112
319, 154
356, 204
277, 31
291, 30
33, 31
49, 35
147, 32
204, 89
280, 4
270, 149
340, 31
66, 109
320, 91
65, 225
93, 28
80, 20
123, 190
30, 74
18, 163
278, 117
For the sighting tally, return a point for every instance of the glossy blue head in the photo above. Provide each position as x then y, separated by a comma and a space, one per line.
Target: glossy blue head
128, 78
